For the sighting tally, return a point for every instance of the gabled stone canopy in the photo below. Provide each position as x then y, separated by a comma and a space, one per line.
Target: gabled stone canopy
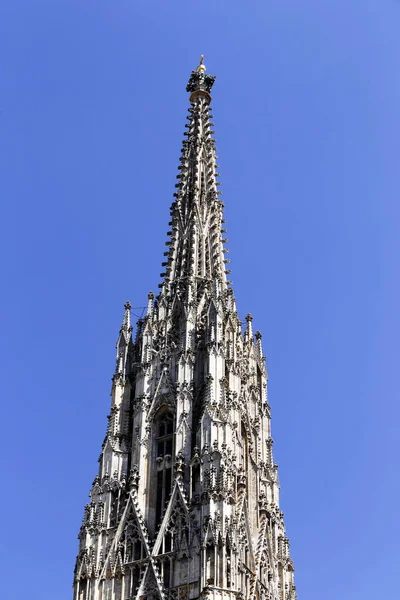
186, 501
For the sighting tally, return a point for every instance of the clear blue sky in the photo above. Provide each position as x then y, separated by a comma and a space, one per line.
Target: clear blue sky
307, 113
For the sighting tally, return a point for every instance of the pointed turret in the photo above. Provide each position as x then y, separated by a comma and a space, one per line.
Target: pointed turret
124, 339
248, 334
259, 348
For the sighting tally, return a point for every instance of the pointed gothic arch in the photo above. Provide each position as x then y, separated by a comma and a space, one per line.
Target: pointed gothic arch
163, 429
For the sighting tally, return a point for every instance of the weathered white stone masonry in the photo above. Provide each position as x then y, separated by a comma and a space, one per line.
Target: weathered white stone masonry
186, 501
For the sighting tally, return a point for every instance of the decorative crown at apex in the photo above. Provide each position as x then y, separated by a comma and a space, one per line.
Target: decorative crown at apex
200, 83
127, 305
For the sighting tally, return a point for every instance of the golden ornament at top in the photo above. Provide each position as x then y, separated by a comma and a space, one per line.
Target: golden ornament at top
202, 67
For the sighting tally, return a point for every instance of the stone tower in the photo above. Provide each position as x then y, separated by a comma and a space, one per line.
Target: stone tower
186, 501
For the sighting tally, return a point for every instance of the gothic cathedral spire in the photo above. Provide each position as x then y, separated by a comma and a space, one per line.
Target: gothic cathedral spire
186, 501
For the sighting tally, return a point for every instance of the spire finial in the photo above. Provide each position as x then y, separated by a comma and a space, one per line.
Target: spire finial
126, 321
124, 338
249, 328
200, 83
202, 67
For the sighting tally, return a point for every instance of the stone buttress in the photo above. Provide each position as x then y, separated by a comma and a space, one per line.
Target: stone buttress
186, 501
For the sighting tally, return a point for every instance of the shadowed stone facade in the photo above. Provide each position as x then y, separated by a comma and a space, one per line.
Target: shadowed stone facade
186, 501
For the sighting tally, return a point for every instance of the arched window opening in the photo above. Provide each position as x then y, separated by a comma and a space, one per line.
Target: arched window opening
113, 508
220, 552
164, 451
228, 565
165, 428
210, 563
195, 488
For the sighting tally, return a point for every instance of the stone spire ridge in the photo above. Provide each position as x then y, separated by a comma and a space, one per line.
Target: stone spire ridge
196, 243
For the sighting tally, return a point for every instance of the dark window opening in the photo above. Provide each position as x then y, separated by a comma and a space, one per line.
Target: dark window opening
210, 564
195, 478
113, 509
166, 573
165, 430
168, 480
228, 567
165, 446
135, 577
137, 551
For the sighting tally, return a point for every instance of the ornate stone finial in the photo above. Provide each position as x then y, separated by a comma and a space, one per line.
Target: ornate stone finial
249, 328
126, 323
259, 345
123, 341
202, 66
200, 83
